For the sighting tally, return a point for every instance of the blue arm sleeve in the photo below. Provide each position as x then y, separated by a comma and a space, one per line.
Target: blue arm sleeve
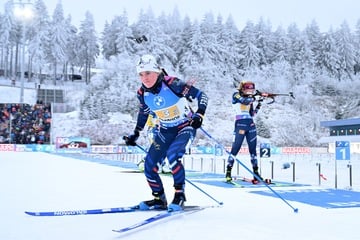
190, 92
143, 114
237, 98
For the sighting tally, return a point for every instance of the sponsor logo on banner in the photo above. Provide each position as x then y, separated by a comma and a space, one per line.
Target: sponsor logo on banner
104, 149
299, 150
72, 144
22, 148
7, 147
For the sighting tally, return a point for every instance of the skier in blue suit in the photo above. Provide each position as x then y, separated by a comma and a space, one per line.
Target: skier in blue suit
243, 104
167, 97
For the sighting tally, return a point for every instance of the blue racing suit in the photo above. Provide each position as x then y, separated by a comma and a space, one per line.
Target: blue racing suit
168, 100
244, 128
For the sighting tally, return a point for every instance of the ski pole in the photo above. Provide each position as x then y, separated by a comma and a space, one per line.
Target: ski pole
244, 166
197, 187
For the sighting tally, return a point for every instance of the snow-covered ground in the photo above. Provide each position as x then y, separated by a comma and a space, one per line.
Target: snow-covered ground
12, 94
42, 181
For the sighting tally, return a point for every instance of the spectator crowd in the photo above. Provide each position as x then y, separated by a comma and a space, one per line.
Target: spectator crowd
25, 123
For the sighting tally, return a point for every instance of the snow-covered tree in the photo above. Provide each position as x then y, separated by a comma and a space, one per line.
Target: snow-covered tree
8, 39
88, 48
117, 37
329, 54
346, 51
58, 39
39, 42
250, 53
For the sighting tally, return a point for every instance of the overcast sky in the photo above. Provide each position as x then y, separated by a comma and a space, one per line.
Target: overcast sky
327, 13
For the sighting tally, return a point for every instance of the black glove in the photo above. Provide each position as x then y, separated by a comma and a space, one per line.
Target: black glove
258, 106
131, 139
196, 120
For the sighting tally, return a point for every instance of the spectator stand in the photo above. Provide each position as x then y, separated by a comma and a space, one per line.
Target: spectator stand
25, 123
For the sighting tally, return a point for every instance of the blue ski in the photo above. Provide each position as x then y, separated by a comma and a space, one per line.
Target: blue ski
84, 211
162, 215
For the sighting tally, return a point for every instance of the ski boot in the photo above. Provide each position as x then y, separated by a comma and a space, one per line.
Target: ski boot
178, 202
228, 177
159, 202
256, 172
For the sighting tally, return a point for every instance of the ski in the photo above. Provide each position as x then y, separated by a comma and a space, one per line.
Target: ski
253, 181
139, 171
131, 171
162, 215
85, 211
234, 183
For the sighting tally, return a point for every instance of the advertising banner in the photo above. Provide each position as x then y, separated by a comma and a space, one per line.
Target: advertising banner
72, 144
7, 147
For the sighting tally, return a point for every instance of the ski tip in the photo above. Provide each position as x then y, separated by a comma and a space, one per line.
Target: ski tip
32, 213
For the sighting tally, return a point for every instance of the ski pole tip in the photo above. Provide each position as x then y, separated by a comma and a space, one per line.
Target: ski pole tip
221, 203
296, 210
